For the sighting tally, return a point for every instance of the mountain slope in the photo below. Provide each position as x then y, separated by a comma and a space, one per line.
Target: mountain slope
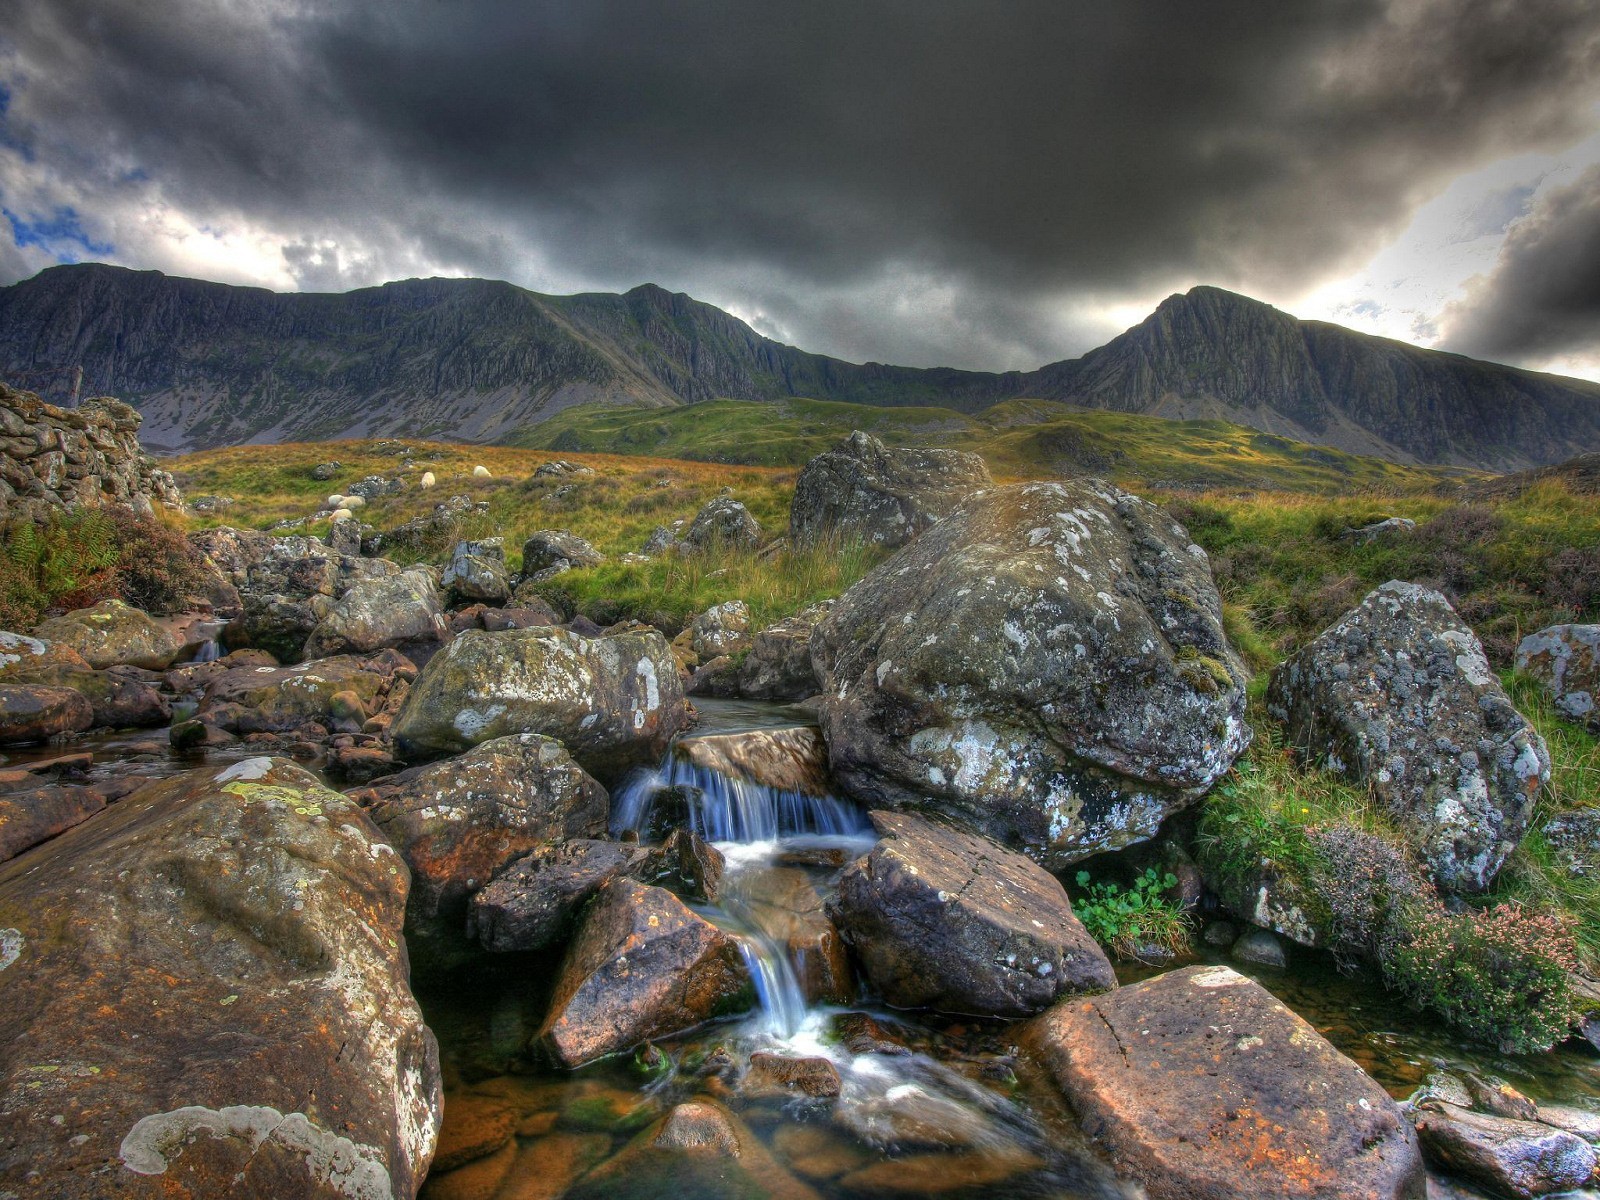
480, 360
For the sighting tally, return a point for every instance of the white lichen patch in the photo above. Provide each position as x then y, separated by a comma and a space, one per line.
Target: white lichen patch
11, 944
470, 723
246, 768
1215, 977
353, 1170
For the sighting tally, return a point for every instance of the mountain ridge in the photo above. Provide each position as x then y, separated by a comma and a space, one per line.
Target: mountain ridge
215, 364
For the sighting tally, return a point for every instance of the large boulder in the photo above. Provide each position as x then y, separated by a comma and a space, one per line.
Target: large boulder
114, 634
943, 918
278, 699
546, 548
1202, 1086
376, 613
118, 697
1047, 665
477, 572
1566, 660
642, 966
257, 1036
1398, 695
861, 490
721, 629
534, 903
36, 713
725, 524
36, 814
604, 698
457, 823
18, 652
778, 663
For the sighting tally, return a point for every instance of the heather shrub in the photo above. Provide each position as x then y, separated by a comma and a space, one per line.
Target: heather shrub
158, 569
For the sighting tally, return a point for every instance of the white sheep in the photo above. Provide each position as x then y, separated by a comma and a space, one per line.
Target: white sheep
427, 479
342, 514
480, 472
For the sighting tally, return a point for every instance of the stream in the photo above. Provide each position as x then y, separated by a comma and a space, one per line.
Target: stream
938, 1105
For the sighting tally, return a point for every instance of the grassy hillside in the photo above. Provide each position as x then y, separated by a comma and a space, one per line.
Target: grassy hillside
1019, 439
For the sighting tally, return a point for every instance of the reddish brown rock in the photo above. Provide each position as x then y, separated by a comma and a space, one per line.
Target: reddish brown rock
642, 966
1202, 1086
474, 1127
789, 760
943, 918
34, 815
534, 903
203, 993
35, 713
277, 699
776, 1076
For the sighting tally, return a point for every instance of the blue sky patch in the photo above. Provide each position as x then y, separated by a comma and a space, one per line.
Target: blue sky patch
60, 234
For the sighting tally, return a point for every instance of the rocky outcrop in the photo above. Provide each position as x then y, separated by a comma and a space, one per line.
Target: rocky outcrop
458, 823
114, 634
1566, 660
534, 903
30, 815
863, 491
724, 524
1398, 694
377, 613
942, 918
257, 1037
642, 966
548, 548
778, 664
1047, 665
280, 699
603, 698
54, 458
119, 698
477, 572
1202, 1086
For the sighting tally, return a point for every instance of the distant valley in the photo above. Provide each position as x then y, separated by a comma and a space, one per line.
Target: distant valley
478, 360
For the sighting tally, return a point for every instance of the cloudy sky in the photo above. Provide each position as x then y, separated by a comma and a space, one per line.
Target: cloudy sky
988, 184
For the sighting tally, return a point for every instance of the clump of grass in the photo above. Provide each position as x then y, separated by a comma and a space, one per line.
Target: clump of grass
1138, 922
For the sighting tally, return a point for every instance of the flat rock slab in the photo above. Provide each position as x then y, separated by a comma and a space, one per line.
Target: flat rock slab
786, 760
34, 815
203, 993
1510, 1157
1202, 1086
534, 903
943, 918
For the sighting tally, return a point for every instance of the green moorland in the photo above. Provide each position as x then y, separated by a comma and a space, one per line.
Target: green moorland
1512, 561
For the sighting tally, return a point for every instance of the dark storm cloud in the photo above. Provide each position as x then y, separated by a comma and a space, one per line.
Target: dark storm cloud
810, 161
1543, 297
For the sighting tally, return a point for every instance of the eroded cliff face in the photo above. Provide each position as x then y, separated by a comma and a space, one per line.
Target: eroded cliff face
70, 458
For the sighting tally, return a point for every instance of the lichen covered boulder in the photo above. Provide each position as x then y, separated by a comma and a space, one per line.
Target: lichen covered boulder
534, 903
723, 523
37, 713
1201, 1086
943, 918
459, 822
276, 699
643, 965
862, 490
601, 697
546, 548
778, 663
1398, 694
380, 612
114, 634
1566, 660
477, 571
203, 993
1047, 665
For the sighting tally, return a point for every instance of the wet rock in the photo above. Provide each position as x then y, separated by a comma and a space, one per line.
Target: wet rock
1260, 946
697, 1127
779, 1077
861, 490
360, 764
1398, 694
938, 1174
1201, 1086
603, 697
784, 904
1566, 660
1513, 1158
860, 1034
698, 865
550, 1165
479, 1180
786, 760
778, 664
113, 634
474, 1127
535, 902
36, 713
1046, 665
718, 678
392, 610
459, 822
723, 523
546, 548
32, 815
641, 966
277, 699
257, 1037
943, 918
1219, 934
477, 571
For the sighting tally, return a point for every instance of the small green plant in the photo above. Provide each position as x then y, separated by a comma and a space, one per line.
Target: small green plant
1137, 922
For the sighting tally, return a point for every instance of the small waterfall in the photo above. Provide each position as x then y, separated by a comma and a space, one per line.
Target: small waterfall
782, 1002
209, 651
723, 809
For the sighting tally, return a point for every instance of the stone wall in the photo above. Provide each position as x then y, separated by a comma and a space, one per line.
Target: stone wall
70, 458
